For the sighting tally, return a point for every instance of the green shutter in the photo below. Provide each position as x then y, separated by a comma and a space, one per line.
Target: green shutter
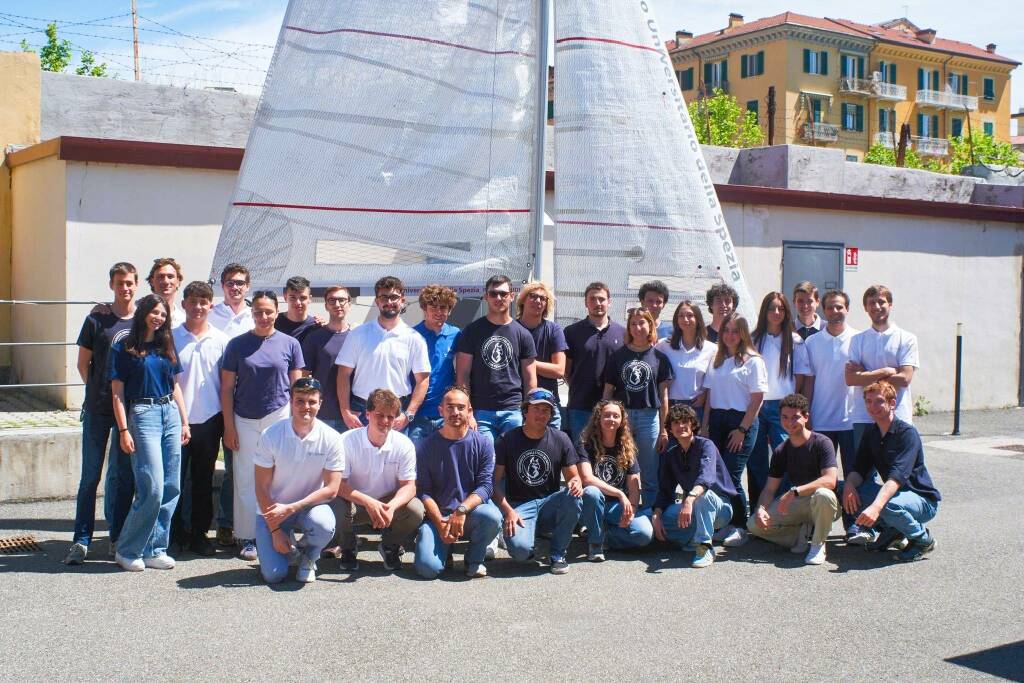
963, 84
707, 74
843, 69
752, 105
989, 128
860, 117
860, 67
551, 109
687, 79
990, 88
892, 72
743, 66
807, 61
935, 126
725, 72
935, 80
957, 128
882, 114
823, 66
816, 110
921, 80
920, 125
760, 63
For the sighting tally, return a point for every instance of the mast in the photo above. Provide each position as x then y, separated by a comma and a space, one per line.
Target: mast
540, 171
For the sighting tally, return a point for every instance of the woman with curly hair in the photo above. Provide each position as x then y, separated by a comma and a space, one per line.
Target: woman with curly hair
611, 480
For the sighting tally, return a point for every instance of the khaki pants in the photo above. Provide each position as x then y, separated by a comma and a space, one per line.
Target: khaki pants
819, 509
405, 522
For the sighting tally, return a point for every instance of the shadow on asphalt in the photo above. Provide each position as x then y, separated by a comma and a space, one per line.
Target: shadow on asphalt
48, 560
66, 525
239, 577
1004, 661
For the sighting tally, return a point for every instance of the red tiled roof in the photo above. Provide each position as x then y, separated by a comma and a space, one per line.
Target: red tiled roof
849, 28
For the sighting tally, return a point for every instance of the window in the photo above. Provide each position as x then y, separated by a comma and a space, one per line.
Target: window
989, 89
816, 110
852, 157
686, 79
716, 75
927, 79
752, 105
816, 62
927, 126
958, 83
551, 109
956, 128
853, 116
887, 120
888, 72
989, 128
752, 65
851, 66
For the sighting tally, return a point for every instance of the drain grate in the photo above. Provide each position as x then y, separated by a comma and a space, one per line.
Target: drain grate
1014, 448
16, 545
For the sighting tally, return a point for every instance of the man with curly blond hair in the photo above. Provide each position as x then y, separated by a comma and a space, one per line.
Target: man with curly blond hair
437, 303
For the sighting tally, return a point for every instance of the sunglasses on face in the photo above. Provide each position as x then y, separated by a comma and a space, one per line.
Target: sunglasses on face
499, 294
307, 383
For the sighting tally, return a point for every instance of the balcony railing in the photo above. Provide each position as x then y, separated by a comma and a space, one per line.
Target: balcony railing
932, 147
889, 91
821, 132
856, 86
872, 87
886, 139
944, 99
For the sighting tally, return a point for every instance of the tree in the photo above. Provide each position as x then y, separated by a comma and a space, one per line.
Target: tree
987, 150
719, 120
55, 56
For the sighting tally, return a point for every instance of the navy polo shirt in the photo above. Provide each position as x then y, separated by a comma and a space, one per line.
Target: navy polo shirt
589, 350
700, 464
899, 455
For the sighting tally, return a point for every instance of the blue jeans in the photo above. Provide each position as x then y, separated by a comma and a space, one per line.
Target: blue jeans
906, 512
422, 427
710, 512
645, 426
557, 514
494, 423
842, 442
769, 435
482, 526
119, 487
317, 528
601, 517
578, 419
226, 516
156, 430
720, 423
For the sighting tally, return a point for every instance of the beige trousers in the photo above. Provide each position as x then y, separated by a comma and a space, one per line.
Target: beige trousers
820, 509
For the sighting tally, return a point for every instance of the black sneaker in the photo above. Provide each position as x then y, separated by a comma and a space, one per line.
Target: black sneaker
202, 547
225, 537
348, 561
174, 549
559, 565
886, 540
391, 556
916, 550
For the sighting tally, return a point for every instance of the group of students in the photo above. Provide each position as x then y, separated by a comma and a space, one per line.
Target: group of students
432, 435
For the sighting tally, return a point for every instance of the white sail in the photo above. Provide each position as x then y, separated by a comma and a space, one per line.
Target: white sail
394, 138
634, 199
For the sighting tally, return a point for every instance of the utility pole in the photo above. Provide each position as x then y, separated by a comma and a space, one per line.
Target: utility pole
135, 39
901, 148
771, 115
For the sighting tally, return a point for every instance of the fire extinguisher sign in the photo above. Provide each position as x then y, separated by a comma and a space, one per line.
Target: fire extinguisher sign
852, 258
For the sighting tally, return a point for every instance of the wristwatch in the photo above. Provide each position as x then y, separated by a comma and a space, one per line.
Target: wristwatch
462, 510
795, 491
410, 416
743, 430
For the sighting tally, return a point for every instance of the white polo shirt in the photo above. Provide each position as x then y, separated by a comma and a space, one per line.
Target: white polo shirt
383, 359
771, 350
731, 385
230, 323
200, 359
177, 317
689, 366
832, 403
298, 464
377, 471
890, 349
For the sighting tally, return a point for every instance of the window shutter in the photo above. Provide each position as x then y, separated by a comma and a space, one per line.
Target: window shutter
823, 70
707, 74
920, 126
860, 117
990, 88
752, 106
860, 67
935, 80
989, 128
816, 110
743, 66
843, 69
725, 72
882, 115
921, 80
963, 84
892, 73
957, 128
807, 61
760, 62
935, 126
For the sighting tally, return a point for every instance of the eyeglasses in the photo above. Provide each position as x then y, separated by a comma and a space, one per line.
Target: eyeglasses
540, 298
236, 283
337, 300
499, 294
389, 298
307, 383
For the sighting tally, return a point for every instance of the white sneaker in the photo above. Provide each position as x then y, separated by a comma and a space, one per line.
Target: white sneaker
735, 538
129, 565
492, 548
476, 571
159, 562
816, 554
803, 537
248, 552
306, 573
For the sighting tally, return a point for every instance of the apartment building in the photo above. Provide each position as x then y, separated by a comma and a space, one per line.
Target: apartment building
847, 85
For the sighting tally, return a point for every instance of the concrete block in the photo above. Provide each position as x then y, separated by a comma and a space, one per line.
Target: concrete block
998, 195
36, 465
794, 167
1006, 176
722, 163
903, 183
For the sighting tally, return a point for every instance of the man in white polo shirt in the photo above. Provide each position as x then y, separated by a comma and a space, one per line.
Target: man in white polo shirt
200, 348
378, 484
383, 354
298, 470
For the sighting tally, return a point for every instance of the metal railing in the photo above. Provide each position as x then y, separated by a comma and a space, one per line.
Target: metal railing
945, 99
889, 91
886, 139
821, 132
21, 344
935, 147
858, 86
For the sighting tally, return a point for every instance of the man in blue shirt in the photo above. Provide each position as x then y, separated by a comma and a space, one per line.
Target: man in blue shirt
454, 470
695, 465
908, 499
437, 303
653, 296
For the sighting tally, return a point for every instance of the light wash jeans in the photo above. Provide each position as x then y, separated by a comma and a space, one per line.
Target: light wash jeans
97, 433
494, 423
906, 512
601, 517
317, 528
557, 514
482, 526
645, 427
422, 427
769, 435
578, 419
156, 430
710, 512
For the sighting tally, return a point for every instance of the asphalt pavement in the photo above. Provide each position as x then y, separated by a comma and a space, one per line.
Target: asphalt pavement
757, 613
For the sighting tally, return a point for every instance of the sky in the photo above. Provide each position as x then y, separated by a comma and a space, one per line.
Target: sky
228, 43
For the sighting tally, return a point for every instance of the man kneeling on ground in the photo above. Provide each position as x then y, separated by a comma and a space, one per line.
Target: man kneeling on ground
454, 468
807, 509
907, 499
298, 470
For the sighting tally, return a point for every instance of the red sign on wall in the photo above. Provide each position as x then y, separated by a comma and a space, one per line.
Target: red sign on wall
852, 257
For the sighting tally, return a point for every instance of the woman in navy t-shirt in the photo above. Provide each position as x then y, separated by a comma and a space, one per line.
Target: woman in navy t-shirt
152, 425
638, 375
257, 371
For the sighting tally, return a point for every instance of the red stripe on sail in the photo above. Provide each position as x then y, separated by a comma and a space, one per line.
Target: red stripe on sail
634, 225
400, 36
354, 209
608, 40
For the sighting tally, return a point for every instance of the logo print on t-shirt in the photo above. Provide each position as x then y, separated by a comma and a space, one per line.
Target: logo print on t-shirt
119, 336
636, 375
497, 352
610, 472
533, 467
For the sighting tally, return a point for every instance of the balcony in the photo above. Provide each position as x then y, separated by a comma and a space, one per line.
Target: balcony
872, 87
886, 139
889, 91
820, 132
945, 99
931, 147
856, 86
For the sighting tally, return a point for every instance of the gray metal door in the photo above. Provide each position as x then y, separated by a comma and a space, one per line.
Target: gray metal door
819, 262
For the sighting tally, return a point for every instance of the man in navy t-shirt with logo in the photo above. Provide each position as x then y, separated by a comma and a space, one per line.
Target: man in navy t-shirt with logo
495, 360
530, 460
102, 328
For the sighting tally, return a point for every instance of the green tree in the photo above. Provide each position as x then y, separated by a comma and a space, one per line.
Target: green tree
987, 150
719, 120
89, 66
55, 56
886, 156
